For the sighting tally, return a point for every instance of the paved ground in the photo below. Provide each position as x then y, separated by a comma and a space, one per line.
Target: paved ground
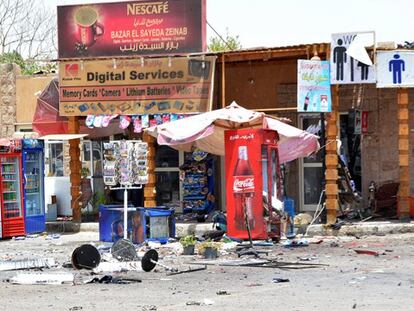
350, 281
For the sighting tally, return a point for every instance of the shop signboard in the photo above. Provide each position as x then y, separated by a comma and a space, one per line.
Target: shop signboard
314, 88
128, 28
395, 69
350, 62
136, 86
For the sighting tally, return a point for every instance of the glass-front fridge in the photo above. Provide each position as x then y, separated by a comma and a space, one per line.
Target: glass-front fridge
33, 170
11, 194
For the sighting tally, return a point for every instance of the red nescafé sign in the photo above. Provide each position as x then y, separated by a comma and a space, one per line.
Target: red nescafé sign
132, 28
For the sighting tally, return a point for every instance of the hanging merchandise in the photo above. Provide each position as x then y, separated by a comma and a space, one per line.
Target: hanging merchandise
137, 124
158, 119
152, 122
107, 119
145, 120
165, 118
89, 120
124, 122
110, 163
125, 163
173, 117
97, 122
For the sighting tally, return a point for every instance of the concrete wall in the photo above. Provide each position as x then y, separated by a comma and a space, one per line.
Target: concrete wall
27, 91
8, 73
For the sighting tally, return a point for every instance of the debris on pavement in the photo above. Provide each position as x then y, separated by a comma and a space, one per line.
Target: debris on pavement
188, 270
280, 280
109, 279
123, 250
295, 243
366, 252
86, 256
27, 264
222, 292
42, 278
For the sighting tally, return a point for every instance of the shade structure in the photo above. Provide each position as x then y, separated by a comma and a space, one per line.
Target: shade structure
206, 131
47, 121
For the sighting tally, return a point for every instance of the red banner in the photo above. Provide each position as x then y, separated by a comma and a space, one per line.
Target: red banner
132, 28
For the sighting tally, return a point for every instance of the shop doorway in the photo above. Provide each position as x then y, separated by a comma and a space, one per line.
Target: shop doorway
350, 150
311, 168
167, 173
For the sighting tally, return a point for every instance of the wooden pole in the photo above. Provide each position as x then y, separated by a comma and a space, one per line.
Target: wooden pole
223, 81
149, 188
75, 169
403, 154
331, 159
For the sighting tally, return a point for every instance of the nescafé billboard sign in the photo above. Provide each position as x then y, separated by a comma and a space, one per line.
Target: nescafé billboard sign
132, 28
136, 86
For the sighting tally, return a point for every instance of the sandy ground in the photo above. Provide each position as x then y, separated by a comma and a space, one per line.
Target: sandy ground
350, 281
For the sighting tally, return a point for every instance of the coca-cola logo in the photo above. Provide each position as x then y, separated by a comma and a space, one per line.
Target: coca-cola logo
243, 184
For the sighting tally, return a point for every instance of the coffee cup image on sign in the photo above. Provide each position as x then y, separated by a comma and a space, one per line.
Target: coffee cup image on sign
88, 27
199, 68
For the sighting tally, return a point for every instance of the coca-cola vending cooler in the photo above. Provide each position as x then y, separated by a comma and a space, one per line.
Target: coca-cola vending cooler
252, 180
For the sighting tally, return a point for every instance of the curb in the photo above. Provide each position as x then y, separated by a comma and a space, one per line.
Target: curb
198, 229
71, 227
376, 228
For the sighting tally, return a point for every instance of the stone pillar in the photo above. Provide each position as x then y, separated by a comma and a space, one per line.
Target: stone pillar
403, 155
149, 188
8, 73
331, 159
75, 169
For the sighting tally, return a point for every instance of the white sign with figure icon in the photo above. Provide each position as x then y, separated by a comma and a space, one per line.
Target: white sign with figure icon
395, 68
350, 61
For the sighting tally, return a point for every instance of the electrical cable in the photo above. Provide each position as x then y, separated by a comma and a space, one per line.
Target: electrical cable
317, 213
221, 38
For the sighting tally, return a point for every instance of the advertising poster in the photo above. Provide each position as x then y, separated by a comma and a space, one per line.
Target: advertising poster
345, 69
395, 69
314, 88
244, 183
131, 28
136, 86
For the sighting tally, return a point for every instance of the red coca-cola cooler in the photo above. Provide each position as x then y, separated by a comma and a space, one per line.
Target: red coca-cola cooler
252, 180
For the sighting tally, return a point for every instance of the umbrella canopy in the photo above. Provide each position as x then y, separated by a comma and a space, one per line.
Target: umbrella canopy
206, 131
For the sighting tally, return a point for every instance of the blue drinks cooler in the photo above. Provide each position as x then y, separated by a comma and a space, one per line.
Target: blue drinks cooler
111, 222
33, 190
159, 224
289, 209
144, 224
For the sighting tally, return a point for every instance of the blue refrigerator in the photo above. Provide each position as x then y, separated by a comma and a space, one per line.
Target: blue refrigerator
34, 194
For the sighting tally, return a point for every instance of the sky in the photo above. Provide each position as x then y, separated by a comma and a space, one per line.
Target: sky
273, 23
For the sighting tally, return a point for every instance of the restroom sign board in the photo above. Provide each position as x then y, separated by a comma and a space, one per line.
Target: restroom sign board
395, 68
344, 68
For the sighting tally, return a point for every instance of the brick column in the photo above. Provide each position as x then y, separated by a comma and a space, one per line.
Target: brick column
331, 159
149, 188
403, 154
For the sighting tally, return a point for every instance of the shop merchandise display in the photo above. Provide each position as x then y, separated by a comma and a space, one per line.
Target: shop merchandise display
138, 122
125, 163
198, 185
